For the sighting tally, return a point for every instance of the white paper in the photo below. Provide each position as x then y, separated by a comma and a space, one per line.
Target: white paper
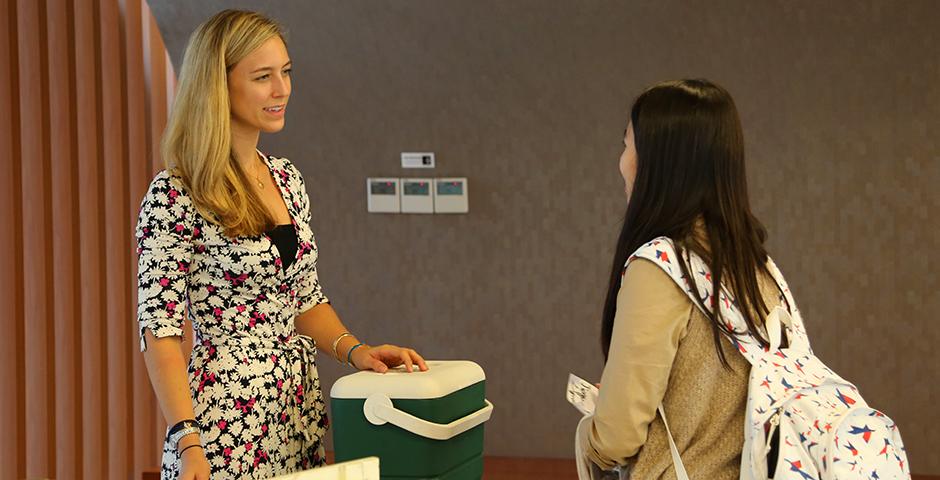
582, 394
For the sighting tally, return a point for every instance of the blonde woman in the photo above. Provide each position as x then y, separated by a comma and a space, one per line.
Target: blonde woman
224, 239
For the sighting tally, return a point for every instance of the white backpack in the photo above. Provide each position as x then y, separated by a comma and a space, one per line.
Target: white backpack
826, 430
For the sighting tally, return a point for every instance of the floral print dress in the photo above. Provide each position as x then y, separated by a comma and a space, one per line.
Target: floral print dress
252, 377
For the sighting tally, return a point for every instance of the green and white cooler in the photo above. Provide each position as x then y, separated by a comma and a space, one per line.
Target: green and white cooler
421, 425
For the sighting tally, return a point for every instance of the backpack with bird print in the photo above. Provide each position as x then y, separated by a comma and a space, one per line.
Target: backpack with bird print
815, 421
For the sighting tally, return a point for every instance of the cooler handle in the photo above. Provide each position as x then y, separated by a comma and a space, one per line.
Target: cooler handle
379, 410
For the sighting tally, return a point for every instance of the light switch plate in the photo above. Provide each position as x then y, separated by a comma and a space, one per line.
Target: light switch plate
416, 195
383, 195
450, 195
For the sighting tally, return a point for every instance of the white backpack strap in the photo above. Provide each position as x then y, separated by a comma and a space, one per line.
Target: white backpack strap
661, 252
798, 338
586, 469
581, 438
676, 459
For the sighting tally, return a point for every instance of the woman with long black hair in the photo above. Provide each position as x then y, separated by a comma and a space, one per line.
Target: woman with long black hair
684, 172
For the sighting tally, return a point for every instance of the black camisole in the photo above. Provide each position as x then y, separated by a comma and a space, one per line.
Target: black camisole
285, 238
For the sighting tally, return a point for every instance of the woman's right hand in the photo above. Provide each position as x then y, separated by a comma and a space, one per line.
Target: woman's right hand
194, 465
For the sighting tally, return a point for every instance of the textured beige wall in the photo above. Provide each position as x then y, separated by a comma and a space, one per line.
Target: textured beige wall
528, 99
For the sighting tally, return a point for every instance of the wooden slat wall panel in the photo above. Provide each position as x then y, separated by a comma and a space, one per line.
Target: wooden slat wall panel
157, 66
37, 291
94, 407
65, 240
138, 175
90, 201
12, 448
84, 90
114, 159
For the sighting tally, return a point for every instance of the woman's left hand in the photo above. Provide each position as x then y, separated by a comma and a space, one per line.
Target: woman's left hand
383, 357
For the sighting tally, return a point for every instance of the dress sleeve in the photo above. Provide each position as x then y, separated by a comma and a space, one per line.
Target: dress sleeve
164, 253
652, 317
309, 291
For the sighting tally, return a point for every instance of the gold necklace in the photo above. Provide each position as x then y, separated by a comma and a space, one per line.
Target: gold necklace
258, 178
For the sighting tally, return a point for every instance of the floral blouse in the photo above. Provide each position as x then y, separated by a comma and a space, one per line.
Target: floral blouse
252, 377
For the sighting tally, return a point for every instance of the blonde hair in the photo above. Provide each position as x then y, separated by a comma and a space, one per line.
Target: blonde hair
197, 142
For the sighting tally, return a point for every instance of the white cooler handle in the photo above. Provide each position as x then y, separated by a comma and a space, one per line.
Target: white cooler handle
379, 410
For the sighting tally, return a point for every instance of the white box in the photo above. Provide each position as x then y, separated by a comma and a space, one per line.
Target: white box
416, 195
362, 469
382, 195
451, 195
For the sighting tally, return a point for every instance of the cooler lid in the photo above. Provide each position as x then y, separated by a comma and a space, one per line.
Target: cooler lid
442, 378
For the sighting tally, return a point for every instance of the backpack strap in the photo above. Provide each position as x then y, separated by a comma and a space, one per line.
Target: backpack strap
676, 459
661, 252
798, 337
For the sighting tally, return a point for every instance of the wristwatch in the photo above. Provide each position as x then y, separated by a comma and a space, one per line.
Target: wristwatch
180, 430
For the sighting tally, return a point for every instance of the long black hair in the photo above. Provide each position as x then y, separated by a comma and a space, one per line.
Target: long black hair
690, 168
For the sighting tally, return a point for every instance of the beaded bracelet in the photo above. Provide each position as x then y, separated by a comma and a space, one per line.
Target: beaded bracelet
349, 353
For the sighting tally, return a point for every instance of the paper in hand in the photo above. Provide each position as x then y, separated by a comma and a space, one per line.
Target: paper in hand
582, 394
